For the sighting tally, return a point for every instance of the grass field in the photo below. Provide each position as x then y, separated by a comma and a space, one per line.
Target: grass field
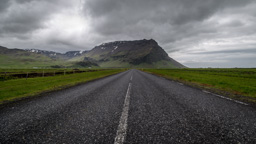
234, 81
18, 88
26, 60
23, 71
7, 74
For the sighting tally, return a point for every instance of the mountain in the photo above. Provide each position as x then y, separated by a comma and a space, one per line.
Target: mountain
52, 54
34, 58
18, 58
72, 54
118, 54
138, 53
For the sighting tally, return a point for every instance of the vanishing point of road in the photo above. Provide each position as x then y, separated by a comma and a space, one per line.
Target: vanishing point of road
129, 107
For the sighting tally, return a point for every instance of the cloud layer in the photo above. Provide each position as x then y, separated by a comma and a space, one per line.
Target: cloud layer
197, 33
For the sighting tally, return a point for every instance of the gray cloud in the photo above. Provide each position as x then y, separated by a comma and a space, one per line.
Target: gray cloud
112, 17
187, 29
24, 16
239, 51
243, 61
4, 4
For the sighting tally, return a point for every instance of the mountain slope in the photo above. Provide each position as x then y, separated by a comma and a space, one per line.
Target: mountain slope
18, 58
139, 53
119, 54
34, 58
55, 55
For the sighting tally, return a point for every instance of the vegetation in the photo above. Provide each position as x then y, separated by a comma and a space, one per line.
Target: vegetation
7, 74
34, 70
234, 81
20, 59
19, 88
86, 64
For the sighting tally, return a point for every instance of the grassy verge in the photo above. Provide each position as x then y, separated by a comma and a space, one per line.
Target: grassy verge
7, 74
235, 83
2, 71
19, 88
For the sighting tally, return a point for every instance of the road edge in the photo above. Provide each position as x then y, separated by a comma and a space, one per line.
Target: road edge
250, 101
43, 93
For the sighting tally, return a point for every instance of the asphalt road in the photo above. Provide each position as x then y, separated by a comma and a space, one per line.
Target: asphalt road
129, 107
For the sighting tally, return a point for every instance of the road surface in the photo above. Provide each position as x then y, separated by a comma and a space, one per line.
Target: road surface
129, 107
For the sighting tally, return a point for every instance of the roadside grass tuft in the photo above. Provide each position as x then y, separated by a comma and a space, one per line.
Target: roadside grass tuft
19, 88
235, 81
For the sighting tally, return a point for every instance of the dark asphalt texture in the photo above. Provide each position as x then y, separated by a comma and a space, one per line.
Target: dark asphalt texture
160, 111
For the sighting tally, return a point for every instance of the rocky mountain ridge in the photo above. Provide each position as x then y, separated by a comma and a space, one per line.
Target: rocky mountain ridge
138, 52
118, 54
52, 54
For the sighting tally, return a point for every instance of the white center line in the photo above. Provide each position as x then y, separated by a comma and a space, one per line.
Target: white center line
122, 127
131, 78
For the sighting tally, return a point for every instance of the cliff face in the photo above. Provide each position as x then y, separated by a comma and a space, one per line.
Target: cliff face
132, 52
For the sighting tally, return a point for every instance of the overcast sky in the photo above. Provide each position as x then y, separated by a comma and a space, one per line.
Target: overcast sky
197, 33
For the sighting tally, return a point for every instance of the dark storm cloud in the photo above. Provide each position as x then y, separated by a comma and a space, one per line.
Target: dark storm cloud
114, 17
24, 16
187, 29
4, 4
27, 23
65, 43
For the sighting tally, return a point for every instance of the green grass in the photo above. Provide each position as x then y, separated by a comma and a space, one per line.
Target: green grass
32, 70
7, 74
114, 64
18, 88
21, 60
234, 81
2, 71
117, 64
27, 60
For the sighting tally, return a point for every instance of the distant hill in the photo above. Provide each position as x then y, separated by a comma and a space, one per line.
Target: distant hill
52, 54
34, 58
19, 58
118, 54
138, 53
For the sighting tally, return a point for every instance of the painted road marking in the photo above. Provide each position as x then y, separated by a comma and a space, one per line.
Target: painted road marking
225, 97
122, 127
131, 78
